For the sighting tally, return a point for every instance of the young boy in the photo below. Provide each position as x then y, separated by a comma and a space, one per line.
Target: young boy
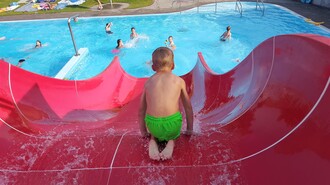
159, 110
226, 35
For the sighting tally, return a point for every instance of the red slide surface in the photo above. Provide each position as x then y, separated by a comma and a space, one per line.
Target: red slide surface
267, 121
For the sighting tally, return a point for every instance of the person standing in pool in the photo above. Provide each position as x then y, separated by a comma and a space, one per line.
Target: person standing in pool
159, 109
108, 28
226, 35
170, 43
133, 33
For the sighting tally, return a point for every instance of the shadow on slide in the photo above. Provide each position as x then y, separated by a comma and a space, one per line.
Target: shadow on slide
267, 121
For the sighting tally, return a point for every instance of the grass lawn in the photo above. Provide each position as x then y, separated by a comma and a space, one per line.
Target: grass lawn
132, 3
78, 8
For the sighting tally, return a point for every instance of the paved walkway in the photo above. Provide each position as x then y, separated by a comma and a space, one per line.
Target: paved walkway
316, 13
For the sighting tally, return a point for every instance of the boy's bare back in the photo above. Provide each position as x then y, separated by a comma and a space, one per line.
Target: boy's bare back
163, 92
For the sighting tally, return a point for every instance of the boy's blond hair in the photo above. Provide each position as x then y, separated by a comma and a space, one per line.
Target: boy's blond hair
162, 57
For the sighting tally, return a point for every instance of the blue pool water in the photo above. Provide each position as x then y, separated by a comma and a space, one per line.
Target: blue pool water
192, 32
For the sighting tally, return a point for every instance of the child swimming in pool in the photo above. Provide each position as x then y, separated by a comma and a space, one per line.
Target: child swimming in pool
38, 44
226, 35
120, 44
159, 110
20, 62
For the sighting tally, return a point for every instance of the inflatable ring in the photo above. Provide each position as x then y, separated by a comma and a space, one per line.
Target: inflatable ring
115, 51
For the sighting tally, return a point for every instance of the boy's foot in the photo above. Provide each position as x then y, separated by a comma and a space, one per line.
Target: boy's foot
168, 150
153, 150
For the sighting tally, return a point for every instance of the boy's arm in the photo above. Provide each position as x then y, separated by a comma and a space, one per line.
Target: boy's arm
142, 114
173, 47
222, 35
187, 108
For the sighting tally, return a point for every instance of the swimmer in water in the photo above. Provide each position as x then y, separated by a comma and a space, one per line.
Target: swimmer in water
226, 35
133, 33
170, 43
38, 44
120, 44
20, 62
108, 28
75, 19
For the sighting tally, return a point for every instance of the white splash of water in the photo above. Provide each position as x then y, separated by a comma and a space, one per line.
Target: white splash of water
5, 179
89, 143
63, 178
110, 131
131, 43
224, 176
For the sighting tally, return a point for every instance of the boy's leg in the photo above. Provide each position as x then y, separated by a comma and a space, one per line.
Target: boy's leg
168, 150
153, 149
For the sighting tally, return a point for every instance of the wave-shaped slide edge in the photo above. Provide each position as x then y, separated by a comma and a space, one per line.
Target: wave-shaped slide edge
260, 123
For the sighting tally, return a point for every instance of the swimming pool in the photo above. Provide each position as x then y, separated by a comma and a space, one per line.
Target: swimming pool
192, 32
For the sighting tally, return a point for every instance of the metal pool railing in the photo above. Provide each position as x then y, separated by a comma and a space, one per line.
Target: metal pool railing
239, 7
261, 6
72, 37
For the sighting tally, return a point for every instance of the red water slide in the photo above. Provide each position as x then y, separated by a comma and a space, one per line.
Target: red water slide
267, 121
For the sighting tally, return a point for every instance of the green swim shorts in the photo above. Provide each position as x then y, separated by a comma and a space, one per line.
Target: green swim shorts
164, 128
